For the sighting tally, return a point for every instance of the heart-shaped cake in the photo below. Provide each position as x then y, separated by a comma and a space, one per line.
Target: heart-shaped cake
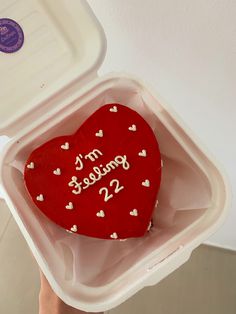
101, 181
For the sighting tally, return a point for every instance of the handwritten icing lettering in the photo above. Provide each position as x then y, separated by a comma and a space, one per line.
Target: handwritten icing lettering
108, 196
86, 182
118, 187
75, 184
79, 162
92, 156
98, 173
122, 160
111, 165
92, 177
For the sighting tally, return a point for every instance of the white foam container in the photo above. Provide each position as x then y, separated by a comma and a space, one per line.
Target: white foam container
46, 86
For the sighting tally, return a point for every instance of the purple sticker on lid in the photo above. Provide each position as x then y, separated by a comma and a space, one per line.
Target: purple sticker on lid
11, 36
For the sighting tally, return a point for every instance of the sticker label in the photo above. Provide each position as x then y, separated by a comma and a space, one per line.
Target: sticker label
11, 36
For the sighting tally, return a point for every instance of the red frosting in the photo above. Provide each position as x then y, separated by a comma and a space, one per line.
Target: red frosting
103, 180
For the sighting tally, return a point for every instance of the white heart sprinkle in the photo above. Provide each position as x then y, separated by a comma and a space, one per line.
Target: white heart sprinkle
134, 212
65, 146
114, 235
70, 205
99, 133
114, 109
146, 183
133, 128
101, 213
30, 166
74, 228
40, 198
157, 202
57, 172
162, 163
143, 153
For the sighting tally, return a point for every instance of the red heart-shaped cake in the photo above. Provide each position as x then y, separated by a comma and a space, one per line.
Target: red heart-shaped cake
103, 180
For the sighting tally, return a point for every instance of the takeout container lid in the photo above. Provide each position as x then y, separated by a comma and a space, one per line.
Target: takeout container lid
63, 48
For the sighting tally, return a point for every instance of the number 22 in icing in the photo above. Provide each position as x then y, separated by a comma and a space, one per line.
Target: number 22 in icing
118, 188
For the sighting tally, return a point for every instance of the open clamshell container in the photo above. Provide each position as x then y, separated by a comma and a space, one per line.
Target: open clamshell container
48, 88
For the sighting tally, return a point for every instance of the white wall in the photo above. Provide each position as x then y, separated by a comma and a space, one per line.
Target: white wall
187, 50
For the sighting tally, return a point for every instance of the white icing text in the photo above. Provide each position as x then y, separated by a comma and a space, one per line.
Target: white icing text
98, 172
92, 156
108, 196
